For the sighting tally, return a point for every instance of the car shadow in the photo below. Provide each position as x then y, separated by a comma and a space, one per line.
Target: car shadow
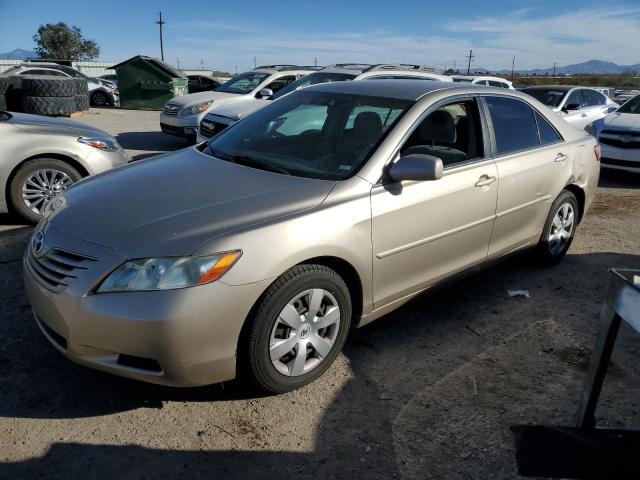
154, 141
434, 387
618, 179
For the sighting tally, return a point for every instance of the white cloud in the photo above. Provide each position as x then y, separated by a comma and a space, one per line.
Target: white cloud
604, 33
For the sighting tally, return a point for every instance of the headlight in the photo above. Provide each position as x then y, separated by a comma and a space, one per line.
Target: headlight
201, 107
101, 143
168, 273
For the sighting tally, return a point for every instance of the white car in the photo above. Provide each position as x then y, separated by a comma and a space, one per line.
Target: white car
182, 115
619, 136
101, 92
487, 80
580, 106
222, 116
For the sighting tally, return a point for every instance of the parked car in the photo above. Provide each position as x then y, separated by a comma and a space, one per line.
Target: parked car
201, 83
101, 92
109, 77
579, 106
619, 136
40, 157
181, 116
220, 117
484, 80
293, 231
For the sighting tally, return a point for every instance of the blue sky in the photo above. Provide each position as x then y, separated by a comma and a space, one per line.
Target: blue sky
229, 34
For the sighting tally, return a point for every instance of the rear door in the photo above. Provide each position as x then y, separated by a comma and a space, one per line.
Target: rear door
533, 164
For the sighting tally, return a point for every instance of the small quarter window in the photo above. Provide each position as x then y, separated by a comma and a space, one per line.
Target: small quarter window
548, 134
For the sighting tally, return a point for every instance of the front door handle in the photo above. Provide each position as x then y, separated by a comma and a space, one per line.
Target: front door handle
561, 157
583, 115
485, 180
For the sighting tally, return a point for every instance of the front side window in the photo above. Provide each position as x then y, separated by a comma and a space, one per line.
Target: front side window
279, 83
314, 79
593, 98
514, 124
452, 133
552, 98
576, 100
243, 83
311, 134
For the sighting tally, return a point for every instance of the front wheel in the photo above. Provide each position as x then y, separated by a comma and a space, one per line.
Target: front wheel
559, 229
99, 99
300, 326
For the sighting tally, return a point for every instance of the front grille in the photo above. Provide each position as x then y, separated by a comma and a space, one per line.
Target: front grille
619, 143
53, 335
210, 127
170, 109
621, 163
139, 363
57, 268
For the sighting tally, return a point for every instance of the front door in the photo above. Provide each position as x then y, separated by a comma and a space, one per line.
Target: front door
425, 231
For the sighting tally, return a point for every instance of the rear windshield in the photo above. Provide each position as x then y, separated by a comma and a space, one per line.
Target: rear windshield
243, 83
550, 97
314, 79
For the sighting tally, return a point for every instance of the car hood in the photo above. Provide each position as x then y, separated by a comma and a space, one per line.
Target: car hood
170, 205
238, 110
56, 126
622, 121
200, 97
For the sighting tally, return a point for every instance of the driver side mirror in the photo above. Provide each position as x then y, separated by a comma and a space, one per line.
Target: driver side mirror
416, 167
265, 93
571, 107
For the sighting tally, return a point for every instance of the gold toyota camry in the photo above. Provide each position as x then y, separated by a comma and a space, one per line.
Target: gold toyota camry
254, 254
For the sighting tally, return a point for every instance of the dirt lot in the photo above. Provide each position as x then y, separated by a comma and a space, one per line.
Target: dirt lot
427, 392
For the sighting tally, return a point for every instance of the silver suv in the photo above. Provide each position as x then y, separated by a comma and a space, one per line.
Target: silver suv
220, 117
182, 115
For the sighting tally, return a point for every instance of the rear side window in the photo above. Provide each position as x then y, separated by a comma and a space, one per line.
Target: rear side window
594, 98
548, 134
514, 124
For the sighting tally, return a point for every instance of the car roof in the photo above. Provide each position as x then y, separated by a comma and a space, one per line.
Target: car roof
562, 88
488, 77
399, 89
285, 68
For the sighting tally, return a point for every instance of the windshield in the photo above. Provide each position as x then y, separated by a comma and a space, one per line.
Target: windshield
310, 134
243, 83
632, 106
550, 97
313, 79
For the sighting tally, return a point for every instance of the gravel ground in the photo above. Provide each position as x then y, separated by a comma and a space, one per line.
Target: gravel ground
429, 391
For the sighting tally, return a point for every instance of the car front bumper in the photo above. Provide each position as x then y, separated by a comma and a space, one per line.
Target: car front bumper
627, 159
180, 126
183, 337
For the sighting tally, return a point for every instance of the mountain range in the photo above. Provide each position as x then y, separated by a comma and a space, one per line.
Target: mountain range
18, 54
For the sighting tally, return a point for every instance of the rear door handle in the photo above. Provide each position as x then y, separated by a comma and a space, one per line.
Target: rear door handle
485, 180
561, 157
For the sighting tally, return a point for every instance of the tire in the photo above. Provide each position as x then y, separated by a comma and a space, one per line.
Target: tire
3, 103
559, 229
267, 327
5, 83
99, 99
48, 86
81, 86
81, 102
26, 171
48, 105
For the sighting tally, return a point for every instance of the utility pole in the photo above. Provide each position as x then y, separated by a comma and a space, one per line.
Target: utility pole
201, 64
469, 60
554, 69
315, 61
236, 69
455, 70
178, 61
161, 23
255, 62
513, 66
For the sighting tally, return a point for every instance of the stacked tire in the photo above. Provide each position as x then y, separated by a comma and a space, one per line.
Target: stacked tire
53, 96
6, 87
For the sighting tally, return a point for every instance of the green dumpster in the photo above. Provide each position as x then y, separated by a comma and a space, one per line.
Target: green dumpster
146, 83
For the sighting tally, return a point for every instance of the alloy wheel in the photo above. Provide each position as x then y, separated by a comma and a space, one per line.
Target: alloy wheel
42, 186
561, 228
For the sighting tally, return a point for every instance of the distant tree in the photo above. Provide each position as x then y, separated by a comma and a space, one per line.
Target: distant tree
63, 42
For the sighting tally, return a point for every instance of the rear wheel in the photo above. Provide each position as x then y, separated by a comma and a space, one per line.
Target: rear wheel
99, 99
299, 328
559, 229
37, 183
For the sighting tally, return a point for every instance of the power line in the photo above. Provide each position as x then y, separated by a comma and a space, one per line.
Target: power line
161, 23
469, 60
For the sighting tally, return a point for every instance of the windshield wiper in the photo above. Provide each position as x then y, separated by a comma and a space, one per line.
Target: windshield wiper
256, 162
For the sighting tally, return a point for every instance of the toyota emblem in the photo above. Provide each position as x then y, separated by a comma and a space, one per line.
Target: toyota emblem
37, 243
